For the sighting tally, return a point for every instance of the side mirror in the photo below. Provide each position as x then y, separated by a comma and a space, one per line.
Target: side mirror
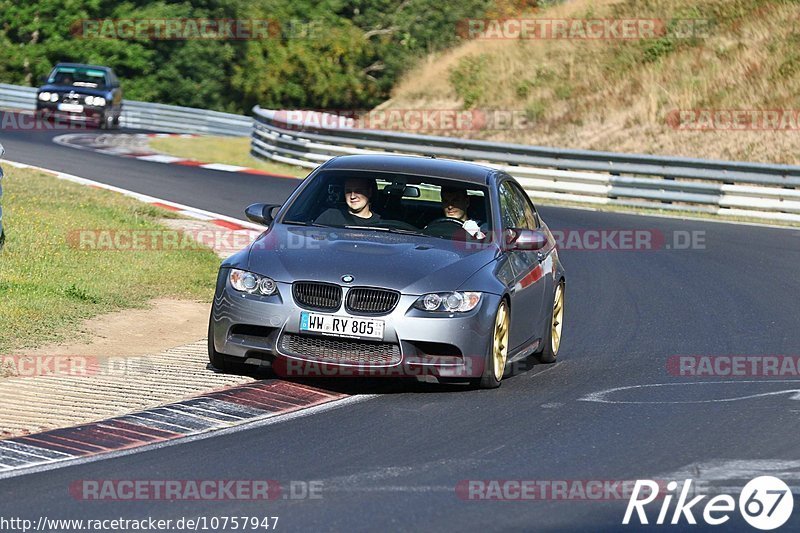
260, 213
43, 79
526, 239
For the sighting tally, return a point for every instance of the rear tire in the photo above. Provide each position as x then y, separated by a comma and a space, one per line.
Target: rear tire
497, 355
552, 337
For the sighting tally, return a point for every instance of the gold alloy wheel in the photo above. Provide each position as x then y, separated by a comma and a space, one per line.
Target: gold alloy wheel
558, 318
500, 344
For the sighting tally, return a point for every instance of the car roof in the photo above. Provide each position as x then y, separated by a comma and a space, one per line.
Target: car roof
82, 65
415, 165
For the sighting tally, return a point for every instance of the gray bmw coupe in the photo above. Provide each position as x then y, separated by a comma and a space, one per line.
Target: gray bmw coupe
393, 266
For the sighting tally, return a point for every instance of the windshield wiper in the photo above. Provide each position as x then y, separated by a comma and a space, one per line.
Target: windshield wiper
302, 223
407, 232
367, 227
390, 230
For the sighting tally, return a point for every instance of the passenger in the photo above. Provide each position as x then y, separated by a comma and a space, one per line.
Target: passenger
358, 193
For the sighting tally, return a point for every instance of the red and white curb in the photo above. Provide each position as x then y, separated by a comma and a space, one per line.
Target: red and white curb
135, 146
224, 409
185, 210
231, 409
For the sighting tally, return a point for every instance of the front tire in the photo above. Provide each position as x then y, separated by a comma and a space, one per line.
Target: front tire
495, 363
552, 338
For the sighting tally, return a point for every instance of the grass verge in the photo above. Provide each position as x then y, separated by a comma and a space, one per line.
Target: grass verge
49, 285
227, 150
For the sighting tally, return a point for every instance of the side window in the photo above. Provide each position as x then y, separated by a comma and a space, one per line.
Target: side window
531, 220
516, 207
511, 209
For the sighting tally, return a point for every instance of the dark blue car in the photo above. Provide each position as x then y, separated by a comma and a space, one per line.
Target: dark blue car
89, 94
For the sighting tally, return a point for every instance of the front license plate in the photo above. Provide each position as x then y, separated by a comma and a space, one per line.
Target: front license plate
70, 108
341, 326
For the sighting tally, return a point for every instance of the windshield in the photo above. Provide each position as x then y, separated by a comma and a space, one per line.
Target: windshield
401, 203
78, 77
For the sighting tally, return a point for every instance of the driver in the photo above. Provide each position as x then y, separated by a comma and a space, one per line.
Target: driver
455, 202
358, 193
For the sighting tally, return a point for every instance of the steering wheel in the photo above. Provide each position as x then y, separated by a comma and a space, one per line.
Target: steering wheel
445, 227
442, 220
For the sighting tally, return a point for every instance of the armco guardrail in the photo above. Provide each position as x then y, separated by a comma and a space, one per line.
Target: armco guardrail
16, 97
756, 190
144, 115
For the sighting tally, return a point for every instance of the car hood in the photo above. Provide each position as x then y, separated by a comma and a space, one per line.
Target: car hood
87, 91
407, 263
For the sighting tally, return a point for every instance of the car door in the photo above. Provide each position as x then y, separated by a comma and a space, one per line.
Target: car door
528, 288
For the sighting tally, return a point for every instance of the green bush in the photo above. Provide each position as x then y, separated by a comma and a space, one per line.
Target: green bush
469, 79
320, 54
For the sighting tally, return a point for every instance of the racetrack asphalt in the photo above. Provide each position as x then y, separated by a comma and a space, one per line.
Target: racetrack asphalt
394, 461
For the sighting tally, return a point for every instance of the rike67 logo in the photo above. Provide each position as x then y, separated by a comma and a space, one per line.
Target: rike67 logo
765, 503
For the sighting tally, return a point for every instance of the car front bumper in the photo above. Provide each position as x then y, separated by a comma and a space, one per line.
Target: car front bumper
266, 330
89, 114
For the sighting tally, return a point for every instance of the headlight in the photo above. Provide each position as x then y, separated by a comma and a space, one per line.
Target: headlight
250, 283
53, 97
448, 302
95, 100
44, 96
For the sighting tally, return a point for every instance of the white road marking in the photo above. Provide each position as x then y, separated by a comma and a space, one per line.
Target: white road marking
729, 476
196, 215
602, 396
223, 167
160, 158
138, 196
726, 469
33, 451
